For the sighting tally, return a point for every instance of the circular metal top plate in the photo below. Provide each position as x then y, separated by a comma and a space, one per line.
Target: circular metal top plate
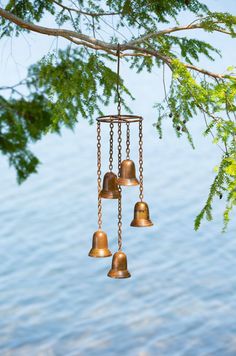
120, 118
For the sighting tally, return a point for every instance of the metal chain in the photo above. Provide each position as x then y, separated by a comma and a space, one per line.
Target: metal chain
141, 160
119, 109
111, 146
119, 222
119, 166
119, 147
119, 151
119, 187
127, 141
99, 179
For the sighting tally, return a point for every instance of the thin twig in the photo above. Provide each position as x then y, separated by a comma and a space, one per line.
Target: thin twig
92, 14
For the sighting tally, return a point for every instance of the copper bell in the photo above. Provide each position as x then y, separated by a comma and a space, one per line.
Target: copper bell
100, 245
119, 266
127, 173
110, 187
141, 215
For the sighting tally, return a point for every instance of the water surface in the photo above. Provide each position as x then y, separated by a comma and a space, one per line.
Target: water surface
54, 300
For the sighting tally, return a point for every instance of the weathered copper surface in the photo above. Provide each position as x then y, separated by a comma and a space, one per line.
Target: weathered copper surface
127, 173
100, 245
141, 215
119, 266
110, 187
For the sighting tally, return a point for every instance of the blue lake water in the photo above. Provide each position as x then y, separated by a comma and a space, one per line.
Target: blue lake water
55, 300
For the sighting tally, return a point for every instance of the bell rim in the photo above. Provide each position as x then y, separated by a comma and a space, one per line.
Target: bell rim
115, 274
93, 251
144, 223
128, 182
109, 195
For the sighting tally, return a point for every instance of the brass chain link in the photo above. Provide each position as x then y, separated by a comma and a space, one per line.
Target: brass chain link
141, 160
119, 187
99, 179
111, 146
128, 141
119, 221
119, 147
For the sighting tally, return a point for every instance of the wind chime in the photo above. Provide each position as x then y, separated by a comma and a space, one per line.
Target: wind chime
111, 188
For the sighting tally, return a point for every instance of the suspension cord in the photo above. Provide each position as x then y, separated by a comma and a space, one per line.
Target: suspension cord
118, 107
118, 81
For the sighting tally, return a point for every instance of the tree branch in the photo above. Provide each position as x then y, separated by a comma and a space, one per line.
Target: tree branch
175, 29
93, 43
53, 31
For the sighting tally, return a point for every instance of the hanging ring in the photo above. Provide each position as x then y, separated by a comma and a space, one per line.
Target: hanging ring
123, 119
